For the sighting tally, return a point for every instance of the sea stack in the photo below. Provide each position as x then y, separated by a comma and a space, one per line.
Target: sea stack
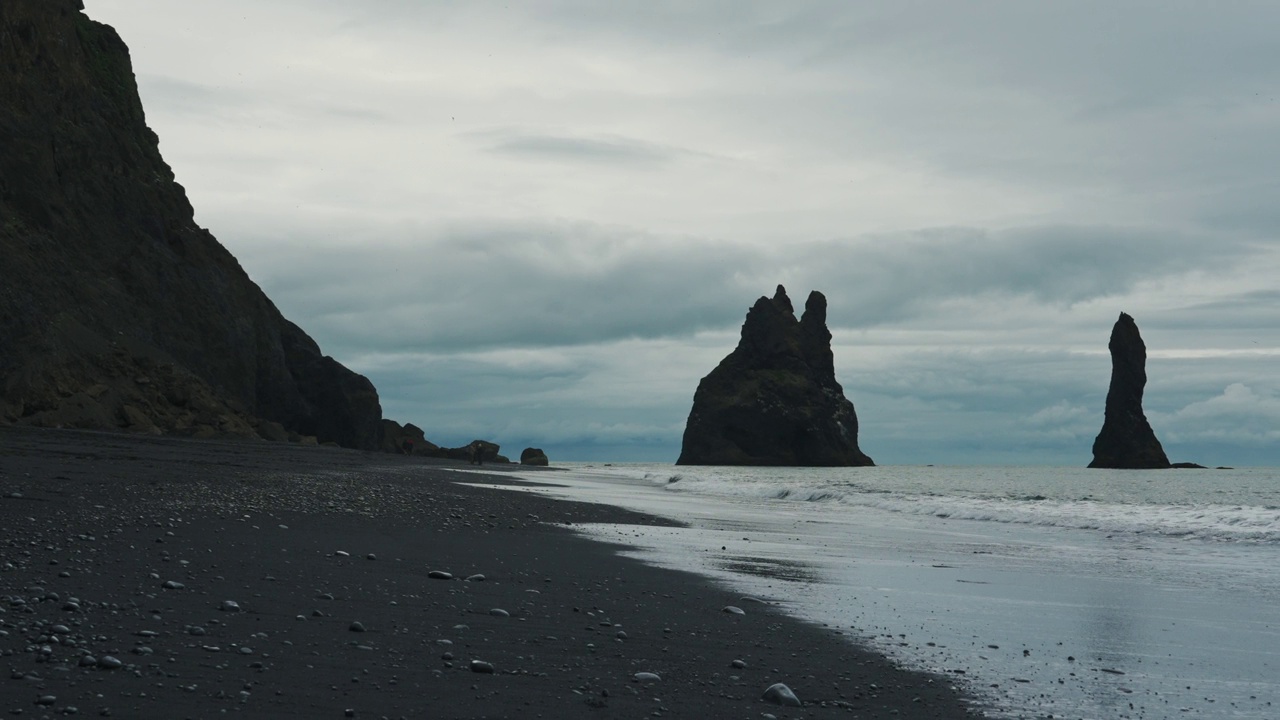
1127, 440
774, 400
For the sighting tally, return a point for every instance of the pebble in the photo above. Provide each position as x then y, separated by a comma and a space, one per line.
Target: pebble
646, 677
172, 585
738, 664
499, 612
440, 575
480, 666
46, 699
60, 629
229, 606
475, 578
734, 610
780, 694
88, 661
246, 650
356, 627
107, 662
370, 556
342, 553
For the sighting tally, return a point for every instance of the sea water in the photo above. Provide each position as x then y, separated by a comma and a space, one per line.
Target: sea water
1044, 592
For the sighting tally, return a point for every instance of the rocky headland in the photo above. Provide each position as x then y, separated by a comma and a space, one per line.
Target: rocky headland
1127, 440
775, 400
117, 311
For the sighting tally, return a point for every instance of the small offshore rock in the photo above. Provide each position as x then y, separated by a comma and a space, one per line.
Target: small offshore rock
734, 610
780, 694
646, 677
480, 666
440, 575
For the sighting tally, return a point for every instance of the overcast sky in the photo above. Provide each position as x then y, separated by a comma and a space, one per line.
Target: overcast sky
542, 223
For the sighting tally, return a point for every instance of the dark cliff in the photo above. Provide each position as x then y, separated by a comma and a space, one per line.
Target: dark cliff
774, 400
1126, 439
116, 309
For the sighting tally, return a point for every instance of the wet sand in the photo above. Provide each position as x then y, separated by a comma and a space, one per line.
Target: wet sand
129, 548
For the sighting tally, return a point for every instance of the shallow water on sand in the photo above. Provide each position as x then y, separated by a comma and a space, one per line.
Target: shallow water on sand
1043, 591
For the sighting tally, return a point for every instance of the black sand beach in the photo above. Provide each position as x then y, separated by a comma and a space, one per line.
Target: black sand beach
128, 547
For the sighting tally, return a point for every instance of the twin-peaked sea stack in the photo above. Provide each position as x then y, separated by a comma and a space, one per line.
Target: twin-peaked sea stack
774, 400
1127, 440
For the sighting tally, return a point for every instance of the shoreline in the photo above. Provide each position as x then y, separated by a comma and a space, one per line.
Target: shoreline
308, 542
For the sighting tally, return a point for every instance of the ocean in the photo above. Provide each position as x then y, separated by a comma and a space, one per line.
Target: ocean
1044, 592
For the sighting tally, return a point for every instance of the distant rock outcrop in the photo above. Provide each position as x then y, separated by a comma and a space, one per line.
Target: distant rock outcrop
774, 400
116, 309
1127, 440
534, 456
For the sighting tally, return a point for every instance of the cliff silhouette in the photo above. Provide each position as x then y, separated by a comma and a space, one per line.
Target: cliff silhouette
117, 310
775, 400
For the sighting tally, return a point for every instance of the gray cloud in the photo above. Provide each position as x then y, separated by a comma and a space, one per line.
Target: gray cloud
545, 285
609, 149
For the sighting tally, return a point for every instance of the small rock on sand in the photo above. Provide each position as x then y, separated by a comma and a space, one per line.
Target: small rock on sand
476, 578
780, 694
646, 677
440, 575
499, 612
229, 606
480, 666
734, 610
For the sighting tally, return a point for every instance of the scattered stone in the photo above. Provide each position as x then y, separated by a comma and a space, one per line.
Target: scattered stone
480, 666
734, 610
738, 664
499, 612
780, 694
107, 662
645, 677
356, 627
476, 578
342, 553
172, 585
229, 606
440, 575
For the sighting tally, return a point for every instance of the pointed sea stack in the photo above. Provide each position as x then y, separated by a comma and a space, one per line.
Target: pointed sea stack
1127, 440
774, 400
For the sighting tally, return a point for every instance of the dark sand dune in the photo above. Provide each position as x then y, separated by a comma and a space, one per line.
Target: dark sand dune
306, 542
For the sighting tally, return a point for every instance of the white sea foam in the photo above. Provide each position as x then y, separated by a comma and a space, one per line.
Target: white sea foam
1109, 502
